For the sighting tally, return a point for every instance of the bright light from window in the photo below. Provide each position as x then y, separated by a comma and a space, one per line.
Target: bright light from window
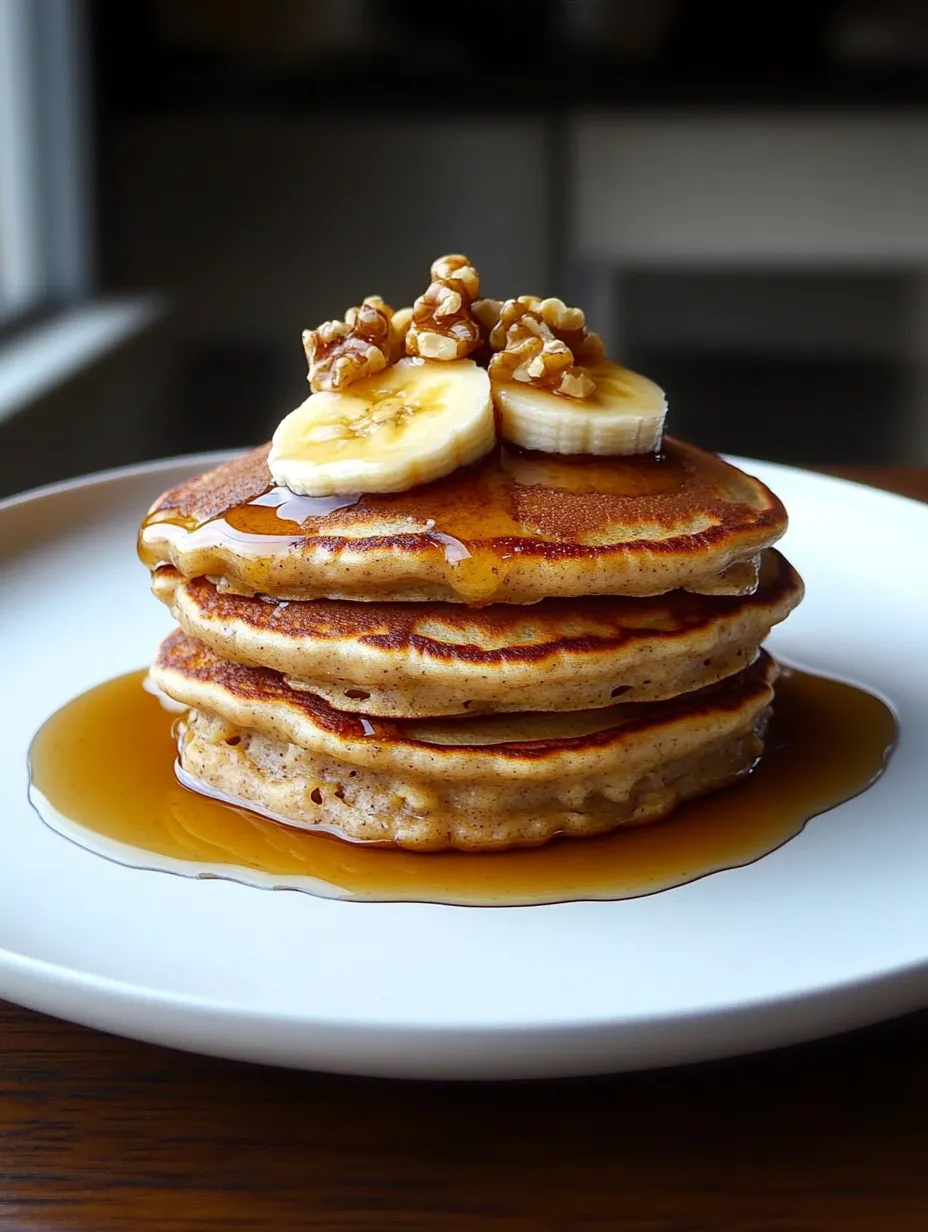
21, 272
44, 208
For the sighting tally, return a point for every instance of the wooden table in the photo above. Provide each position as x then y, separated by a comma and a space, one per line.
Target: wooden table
100, 1134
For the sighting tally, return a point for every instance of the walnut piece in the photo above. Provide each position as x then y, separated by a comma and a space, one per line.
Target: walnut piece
567, 324
399, 328
528, 350
442, 325
458, 268
341, 352
487, 313
375, 302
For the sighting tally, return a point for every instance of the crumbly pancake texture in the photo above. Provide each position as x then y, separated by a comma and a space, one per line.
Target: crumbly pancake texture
415, 660
475, 784
514, 528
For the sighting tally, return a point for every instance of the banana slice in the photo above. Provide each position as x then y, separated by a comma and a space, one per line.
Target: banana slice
624, 415
409, 424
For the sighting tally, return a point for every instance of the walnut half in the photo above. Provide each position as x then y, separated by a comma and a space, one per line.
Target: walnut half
443, 326
567, 324
528, 350
341, 352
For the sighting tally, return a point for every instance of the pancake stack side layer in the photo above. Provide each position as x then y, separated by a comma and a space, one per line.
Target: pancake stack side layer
530, 646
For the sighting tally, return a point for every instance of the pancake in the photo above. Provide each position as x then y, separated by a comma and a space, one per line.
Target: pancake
414, 660
472, 783
514, 528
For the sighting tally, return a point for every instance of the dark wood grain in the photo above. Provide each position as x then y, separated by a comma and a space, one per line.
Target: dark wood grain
906, 480
102, 1134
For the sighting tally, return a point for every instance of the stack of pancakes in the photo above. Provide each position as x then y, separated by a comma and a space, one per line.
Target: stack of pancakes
529, 647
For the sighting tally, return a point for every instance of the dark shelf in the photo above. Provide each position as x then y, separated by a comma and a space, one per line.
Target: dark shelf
423, 58
579, 82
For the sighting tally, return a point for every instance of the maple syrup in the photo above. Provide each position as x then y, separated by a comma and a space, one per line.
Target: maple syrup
491, 499
102, 773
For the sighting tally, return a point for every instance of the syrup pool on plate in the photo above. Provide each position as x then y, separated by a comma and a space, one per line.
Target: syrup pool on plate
102, 774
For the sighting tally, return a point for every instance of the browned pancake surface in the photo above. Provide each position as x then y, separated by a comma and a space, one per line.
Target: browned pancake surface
492, 636
193, 675
512, 528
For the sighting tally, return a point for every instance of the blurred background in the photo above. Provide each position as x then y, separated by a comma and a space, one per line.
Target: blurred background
736, 193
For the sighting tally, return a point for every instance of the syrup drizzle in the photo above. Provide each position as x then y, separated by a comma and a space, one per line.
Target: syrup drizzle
477, 518
102, 774
498, 497
293, 507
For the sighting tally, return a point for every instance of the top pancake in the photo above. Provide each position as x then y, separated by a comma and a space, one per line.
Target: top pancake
514, 528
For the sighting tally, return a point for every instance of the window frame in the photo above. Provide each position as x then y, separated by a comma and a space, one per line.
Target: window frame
46, 257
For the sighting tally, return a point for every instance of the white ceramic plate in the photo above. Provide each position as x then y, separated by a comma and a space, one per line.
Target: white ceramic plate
829, 932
